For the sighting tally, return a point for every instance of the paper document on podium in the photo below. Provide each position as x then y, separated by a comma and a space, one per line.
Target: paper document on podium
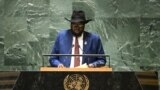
82, 66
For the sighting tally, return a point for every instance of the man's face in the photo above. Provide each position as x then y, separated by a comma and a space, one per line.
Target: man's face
77, 28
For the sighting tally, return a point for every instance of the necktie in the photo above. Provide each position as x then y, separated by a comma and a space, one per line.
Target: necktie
76, 51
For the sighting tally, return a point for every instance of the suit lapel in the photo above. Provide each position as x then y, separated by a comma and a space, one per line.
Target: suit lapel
86, 42
68, 45
86, 46
68, 42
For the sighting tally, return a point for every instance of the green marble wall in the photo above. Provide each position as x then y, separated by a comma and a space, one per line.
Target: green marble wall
129, 30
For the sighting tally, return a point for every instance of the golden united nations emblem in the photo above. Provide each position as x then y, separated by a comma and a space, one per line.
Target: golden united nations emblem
76, 82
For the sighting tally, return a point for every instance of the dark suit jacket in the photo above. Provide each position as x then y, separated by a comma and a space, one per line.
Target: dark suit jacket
63, 45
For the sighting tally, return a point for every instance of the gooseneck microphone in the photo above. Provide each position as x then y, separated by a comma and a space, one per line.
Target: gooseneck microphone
70, 49
81, 49
84, 53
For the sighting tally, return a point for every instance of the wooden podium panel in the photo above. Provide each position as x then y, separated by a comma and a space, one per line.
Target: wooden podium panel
101, 69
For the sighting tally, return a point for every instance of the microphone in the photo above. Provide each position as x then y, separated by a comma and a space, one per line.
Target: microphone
81, 49
84, 53
70, 49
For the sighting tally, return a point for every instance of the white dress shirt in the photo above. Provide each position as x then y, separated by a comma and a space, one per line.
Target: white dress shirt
80, 41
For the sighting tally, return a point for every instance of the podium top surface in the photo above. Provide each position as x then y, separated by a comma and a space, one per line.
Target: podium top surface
101, 69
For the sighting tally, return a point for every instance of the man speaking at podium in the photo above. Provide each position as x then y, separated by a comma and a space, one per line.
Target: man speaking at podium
77, 41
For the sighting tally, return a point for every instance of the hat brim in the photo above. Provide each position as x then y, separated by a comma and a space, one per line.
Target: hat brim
79, 20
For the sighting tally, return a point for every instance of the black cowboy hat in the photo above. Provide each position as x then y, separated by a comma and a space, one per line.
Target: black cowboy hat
78, 16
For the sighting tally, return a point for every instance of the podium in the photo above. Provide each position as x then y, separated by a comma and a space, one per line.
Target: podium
56, 80
52, 78
100, 69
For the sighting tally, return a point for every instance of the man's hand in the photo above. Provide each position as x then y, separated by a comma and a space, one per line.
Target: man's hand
60, 66
91, 66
